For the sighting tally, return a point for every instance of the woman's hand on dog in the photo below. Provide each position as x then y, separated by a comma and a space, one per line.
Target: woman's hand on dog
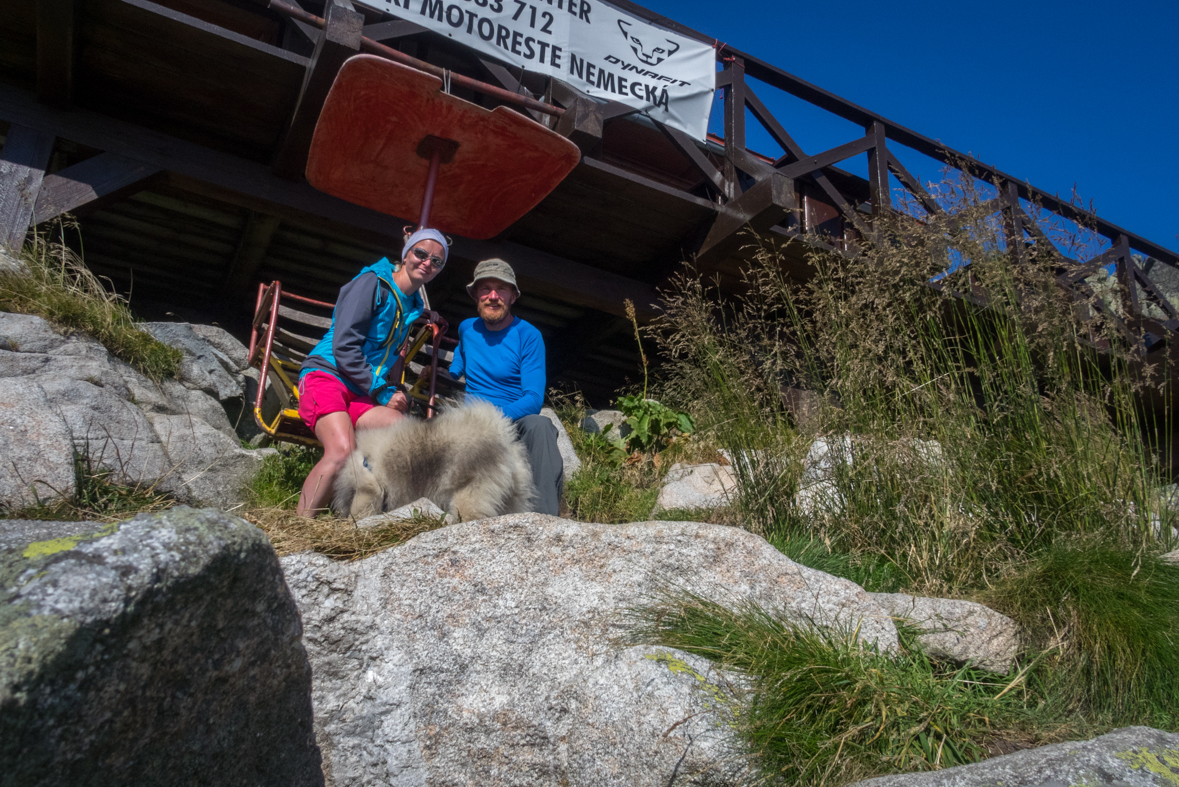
399, 402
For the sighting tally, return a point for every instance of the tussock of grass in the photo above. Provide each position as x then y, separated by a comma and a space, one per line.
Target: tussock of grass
1108, 617
872, 572
1039, 498
58, 286
821, 710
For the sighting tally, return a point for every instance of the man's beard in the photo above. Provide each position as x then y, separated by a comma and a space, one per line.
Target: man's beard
494, 315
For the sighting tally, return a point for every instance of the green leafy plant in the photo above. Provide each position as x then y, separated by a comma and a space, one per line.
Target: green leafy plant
652, 425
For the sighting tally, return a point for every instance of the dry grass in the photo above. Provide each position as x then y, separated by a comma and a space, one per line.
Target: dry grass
339, 539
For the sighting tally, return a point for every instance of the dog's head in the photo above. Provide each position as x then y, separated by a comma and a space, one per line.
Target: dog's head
653, 52
358, 493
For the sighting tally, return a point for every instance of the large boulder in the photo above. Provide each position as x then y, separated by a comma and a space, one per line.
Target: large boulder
493, 652
65, 395
165, 650
1129, 757
957, 631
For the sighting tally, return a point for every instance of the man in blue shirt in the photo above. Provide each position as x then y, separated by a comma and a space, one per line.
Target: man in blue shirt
502, 358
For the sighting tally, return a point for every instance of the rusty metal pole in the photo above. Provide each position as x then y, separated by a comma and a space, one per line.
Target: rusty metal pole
431, 180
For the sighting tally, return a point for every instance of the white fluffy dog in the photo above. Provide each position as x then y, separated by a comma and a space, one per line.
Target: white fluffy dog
468, 460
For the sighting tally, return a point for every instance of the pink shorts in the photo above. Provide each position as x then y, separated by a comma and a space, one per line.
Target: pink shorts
320, 394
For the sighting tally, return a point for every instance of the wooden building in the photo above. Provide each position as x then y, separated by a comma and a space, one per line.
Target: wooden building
177, 131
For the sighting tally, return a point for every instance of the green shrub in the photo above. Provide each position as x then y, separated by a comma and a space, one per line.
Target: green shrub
58, 286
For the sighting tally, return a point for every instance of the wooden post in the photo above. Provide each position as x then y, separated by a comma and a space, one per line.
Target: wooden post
339, 40
734, 122
878, 170
1013, 221
22, 169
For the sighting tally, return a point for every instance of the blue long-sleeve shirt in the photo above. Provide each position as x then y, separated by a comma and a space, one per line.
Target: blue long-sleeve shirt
504, 367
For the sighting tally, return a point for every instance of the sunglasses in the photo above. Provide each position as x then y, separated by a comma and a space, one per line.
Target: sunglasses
424, 255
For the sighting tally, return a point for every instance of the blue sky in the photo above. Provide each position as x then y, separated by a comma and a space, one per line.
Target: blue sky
1057, 93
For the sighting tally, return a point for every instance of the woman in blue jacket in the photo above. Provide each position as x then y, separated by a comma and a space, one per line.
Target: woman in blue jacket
342, 385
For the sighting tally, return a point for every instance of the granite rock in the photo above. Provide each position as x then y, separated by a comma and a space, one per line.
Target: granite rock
1129, 757
206, 465
165, 650
687, 487
422, 507
596, 421
957, 631
36, 446
66, 395
492, 652
569, 456
202, 368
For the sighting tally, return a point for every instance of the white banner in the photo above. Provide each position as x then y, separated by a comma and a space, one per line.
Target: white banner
594, 47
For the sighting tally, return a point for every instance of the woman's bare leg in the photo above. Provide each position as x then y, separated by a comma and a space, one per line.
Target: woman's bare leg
334, 430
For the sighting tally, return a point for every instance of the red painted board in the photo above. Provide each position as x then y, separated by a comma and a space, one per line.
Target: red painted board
365, 150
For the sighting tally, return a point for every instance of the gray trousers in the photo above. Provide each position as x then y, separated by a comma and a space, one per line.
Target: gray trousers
548, 470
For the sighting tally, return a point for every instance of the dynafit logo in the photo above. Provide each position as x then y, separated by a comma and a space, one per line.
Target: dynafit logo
653, 52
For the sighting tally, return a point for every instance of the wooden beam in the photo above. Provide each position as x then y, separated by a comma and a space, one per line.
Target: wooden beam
339, 40
22, 170
56, 51
825, 159
913, 185
734, 123
688, 146
255, 242
582, 123
646, 182
209, 35
793, 152
91, 184
765, 204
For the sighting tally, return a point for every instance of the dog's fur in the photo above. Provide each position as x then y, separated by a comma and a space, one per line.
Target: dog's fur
468, 460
